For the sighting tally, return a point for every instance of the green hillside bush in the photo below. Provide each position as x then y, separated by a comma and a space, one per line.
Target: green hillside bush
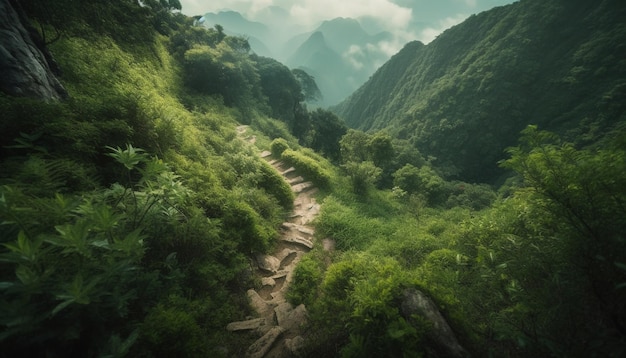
309, 167
278, 146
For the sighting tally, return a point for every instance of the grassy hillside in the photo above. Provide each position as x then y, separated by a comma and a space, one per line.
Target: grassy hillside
129, 211
465, 97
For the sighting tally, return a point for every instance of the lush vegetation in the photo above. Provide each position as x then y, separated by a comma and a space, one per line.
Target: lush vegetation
536, 269
465, 97
129, 212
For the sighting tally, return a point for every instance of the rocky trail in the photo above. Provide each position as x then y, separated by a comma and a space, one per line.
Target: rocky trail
278, 324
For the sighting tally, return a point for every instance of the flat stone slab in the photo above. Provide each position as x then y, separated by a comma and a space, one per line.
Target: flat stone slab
301, 229
258, 303
289, 317
299, 188
298, 240
280, 274
259, 348
296, 180
246, 325
265, 153
290, 170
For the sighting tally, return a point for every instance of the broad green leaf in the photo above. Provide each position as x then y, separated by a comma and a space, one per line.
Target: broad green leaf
26, 275
62, 305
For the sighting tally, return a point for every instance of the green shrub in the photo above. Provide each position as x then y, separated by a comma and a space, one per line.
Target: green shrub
272, 128
363, 176
351, 229
307, 277
473, 196
360, 303
276, 186
309, 168
424, 181
278, 146
171, 332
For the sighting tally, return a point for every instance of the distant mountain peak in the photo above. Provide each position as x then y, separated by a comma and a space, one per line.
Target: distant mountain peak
342, 24
234, 22
316, 37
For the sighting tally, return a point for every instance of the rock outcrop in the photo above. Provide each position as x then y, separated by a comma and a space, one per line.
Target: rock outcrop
443, 340
24, 68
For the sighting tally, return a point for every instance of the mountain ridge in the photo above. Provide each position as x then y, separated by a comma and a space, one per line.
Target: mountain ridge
487, 78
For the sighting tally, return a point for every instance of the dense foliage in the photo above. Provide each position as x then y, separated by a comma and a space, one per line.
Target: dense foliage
464, 97
537, 272
129, 212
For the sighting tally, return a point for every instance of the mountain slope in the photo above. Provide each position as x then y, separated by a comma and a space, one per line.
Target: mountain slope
464, 97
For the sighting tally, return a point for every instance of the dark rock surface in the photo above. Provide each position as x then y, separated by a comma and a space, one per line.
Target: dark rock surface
24, 69
445, 343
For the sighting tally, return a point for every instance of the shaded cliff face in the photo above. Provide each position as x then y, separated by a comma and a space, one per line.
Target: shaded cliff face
24, 69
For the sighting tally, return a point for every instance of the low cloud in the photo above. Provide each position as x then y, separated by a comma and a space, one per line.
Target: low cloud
309, 13
406, 20
354, 56
470, 3
430, 33
386, 12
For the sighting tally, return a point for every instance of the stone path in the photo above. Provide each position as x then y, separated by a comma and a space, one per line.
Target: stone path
279, 324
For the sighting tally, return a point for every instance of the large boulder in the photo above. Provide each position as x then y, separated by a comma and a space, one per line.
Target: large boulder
443, 340
268, 263
24, 69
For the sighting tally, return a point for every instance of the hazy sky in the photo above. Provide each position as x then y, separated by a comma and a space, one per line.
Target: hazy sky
396, 16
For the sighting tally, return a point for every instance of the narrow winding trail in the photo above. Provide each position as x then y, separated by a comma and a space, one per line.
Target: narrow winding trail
278, 324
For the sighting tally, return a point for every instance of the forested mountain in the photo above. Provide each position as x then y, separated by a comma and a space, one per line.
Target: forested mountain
464, 97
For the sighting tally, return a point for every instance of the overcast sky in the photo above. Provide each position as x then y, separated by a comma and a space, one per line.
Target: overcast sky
396, 16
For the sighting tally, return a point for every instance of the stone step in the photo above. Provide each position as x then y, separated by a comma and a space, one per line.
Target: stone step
286, 255
288, 171
289, 317
258, 303
259, 348
298, 240
299, 188
265, 154
301, 229
280, 274
248, 325
296, 180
